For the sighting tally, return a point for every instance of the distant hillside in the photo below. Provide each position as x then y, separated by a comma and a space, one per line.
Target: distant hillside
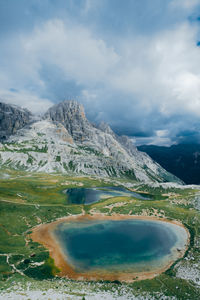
182, 160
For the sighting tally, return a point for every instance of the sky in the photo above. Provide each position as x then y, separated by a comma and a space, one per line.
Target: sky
134, 64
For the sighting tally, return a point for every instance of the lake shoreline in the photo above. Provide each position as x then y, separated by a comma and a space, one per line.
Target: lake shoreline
44, 235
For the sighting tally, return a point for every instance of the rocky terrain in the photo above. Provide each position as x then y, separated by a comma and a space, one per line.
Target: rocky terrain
65, 141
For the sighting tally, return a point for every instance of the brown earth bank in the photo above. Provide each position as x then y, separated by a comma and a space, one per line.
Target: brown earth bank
43, 234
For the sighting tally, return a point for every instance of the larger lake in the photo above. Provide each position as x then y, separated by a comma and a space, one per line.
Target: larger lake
120, 246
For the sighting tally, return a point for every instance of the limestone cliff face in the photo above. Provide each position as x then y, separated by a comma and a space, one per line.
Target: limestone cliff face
12, 118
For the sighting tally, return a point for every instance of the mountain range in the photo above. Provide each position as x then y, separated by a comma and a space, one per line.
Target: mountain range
63, 140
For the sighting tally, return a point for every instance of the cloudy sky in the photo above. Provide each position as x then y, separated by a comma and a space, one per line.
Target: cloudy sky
134, 64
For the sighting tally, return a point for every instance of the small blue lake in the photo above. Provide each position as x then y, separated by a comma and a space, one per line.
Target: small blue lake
120, 245
91, 195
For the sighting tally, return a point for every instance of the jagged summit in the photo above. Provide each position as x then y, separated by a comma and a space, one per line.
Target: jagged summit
106, 128
65, 141
71, 114
66, 108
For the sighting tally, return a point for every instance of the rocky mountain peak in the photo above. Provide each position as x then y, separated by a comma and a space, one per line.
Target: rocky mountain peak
106, 128
71, 114
68, 109
12, 118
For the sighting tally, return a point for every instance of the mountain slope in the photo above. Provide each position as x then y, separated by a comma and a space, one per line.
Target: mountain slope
65, 141
183, 160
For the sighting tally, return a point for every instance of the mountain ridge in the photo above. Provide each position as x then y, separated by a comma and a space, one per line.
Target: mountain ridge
63, 140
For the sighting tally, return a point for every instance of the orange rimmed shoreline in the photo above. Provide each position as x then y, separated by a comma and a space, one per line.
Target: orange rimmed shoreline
43, 234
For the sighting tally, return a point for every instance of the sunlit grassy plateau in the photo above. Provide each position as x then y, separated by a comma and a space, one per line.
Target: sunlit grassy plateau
27, 200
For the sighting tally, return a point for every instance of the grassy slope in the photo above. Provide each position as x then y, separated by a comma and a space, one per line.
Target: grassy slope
27, 200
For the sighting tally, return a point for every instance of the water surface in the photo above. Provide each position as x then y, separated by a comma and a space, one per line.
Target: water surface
129, 246
92, 195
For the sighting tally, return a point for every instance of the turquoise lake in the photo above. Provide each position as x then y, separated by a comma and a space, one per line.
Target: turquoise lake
92, 195
125, 245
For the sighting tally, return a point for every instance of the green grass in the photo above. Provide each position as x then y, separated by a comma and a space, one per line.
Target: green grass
27, 200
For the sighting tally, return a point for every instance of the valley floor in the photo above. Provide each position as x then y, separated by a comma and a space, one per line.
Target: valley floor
27, 271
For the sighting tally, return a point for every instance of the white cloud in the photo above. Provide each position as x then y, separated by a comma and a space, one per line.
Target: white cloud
153, 140
185, 4
26, 100
156, 74
159, 72
73, 49
80, 56
162, 133
163, 72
